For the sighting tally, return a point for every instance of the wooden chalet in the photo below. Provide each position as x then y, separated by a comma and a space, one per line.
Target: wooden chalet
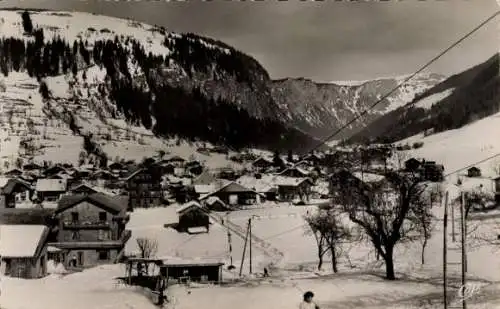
13, 173
262, 164
91, 230
23, 250
103, 178
16, 192
144, 188
264, 187
233, 194
50, 190
474, 172
291, 188
193, 218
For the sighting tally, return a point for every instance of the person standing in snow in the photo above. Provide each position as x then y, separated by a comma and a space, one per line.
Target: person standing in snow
308, 303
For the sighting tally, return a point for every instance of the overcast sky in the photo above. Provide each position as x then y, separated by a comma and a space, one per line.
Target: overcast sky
324, 41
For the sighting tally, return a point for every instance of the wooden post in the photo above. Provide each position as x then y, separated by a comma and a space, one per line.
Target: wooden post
244, 251
130, 273
453, 238
250, 240
445, 249
464, 260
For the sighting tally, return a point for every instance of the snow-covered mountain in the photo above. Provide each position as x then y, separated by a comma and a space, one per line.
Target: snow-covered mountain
71, 77
454, 103
320, 108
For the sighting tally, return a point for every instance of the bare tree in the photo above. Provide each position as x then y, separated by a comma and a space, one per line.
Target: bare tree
389, 210
147, 246
329, 232
320, 243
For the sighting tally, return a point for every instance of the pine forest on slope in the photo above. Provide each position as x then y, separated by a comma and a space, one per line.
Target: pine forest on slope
166, 83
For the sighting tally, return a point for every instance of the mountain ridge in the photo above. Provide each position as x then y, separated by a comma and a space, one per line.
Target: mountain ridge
455, 102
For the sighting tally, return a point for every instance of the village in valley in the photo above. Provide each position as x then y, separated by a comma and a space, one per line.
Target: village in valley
142, 168
169, 221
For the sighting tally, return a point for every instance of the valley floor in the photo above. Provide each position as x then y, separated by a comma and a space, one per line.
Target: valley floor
359, 283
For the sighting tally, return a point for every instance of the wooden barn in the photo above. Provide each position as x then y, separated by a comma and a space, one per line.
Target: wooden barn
193, 218
192, 271
50, 190
23, 250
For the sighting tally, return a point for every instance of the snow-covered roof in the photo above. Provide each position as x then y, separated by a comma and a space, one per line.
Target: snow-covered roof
214, 199
229, 187
188, 205
3, 181
204, 189
174, 261
17, 241
259, 185
368, 177
51, 185
284, 180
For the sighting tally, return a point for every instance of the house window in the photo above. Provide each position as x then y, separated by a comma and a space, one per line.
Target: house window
103, 255
103, 235
74, 216
102, 216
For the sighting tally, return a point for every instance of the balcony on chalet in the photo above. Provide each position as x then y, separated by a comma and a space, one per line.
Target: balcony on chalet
105, 244
82, 225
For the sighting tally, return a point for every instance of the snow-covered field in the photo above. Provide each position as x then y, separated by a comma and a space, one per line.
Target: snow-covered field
283, 227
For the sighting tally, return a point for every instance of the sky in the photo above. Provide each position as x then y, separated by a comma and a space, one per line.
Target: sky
323, 41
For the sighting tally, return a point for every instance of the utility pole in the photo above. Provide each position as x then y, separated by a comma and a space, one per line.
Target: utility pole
464, 251
244, 251
445, 249
229, 244
250, 240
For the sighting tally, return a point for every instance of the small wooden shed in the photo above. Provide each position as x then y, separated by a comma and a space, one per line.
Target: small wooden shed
192, 270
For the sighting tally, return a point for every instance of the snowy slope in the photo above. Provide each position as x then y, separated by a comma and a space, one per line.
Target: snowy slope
41, 126
462, 147
319, 108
